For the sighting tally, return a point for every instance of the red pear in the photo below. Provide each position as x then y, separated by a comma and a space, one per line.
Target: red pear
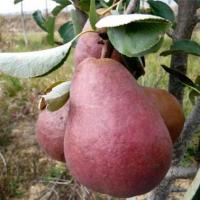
116, 141
50, 130
170, 110
90, 45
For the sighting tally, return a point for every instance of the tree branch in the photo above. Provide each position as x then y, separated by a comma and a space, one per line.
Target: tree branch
163, 190
4, 162
186, 21
181, 173
132, 6
190, 127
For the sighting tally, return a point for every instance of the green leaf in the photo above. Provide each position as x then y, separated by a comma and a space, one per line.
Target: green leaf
195, 87
50, 25
66, 31
137, 39
49, 88
154, 48
57, 10
17, 1
57, 97
119, 20
33, 64
39, 19
192, 96
162, 9
135, 34
180, 76
62, 2
84, 5
93, 17
135, 65
78, 22
183, 46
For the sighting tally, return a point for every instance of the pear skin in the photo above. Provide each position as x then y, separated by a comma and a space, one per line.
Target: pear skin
170, 110
50, 130
116, 141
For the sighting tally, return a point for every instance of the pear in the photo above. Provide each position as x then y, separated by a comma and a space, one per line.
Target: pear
116, 141
50, 130
170, 110
90, 45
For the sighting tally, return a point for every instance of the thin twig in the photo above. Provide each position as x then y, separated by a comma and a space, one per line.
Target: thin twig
47, 193
53, 191
177, 189
190, 127
4, 162
56, 182
110, 8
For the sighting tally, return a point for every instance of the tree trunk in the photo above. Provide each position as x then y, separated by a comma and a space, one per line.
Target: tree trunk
23, 25
186, 21
46, 8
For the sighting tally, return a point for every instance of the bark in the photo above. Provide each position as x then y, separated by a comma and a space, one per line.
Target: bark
162, 192
181, 173
4, 163
186, 21
190, 127
23, 25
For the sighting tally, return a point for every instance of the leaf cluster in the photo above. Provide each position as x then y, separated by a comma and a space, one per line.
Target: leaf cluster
133, 35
